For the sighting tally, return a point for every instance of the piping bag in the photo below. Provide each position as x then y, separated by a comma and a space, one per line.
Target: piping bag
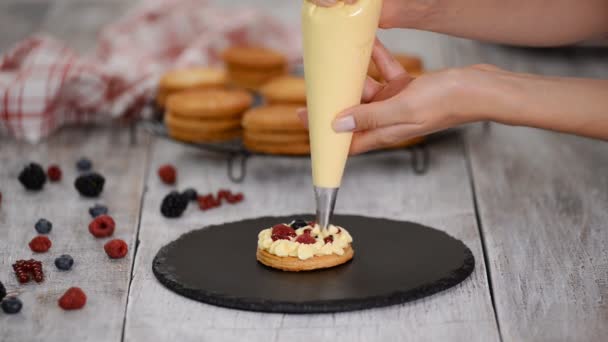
337, 41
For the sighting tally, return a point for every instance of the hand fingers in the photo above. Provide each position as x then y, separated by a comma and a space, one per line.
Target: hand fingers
370, 89
383, 137
370, 116
303, 115
388, 66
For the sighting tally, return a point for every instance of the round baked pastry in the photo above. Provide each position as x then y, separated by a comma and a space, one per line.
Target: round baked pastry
299, 247
285, 90
210, 103
179, 80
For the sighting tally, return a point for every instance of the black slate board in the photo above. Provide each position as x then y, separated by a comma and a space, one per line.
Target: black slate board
394, 262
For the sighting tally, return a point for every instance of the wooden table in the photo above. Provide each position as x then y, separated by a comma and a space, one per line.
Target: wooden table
532, 206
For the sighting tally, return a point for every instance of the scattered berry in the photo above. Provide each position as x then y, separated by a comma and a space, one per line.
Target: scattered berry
74, 298
116, 248
64, 262
329, 239
43, 226
98, 209
102, 226
298, 224
32, 177
207, 202
90, 184
2, 291
306, 239
190, 194
54, 173
174, 204
167, 174
84, 164
40, 244
282, 232
11, 305
223, 193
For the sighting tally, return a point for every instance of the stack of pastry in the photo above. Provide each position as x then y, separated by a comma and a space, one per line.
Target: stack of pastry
251, 67
285, 90
178, 80
412, 64
275, 129
208, 115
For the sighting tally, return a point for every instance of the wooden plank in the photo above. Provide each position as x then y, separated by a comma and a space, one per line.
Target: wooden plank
542, 203
376, 185
104, 280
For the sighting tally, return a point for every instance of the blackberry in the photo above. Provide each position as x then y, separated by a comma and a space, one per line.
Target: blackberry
11, 305
298, 224
32, 176
84, 164
90, 184
43, 226
190, 194
2, 291
64, 262
174, 204
98, 209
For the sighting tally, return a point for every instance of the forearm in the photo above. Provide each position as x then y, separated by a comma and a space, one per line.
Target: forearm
570, 105
520, 22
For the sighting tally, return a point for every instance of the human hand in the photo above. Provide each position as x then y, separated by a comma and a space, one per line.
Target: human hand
405, 107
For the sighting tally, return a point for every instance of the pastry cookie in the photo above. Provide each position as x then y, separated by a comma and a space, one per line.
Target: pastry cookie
189, 78
275, 129
303, 246
204, 125
286, 149
210, 103
273, 118
285, 90
204, 137
250, 67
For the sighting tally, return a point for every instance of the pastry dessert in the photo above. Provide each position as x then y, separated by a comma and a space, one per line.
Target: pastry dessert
275, 129
178, 80
208, 115
285, 90
303, 246
412, 64
251, 67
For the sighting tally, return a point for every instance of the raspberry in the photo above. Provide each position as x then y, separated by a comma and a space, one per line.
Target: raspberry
236, 198
174, 205
190, 194
40, 244
64, 262
282, 232
43, 226
11, 305
98, 209
90, 184
207, 202
167, 174
54, 173
329, 239
306, 239
116, 248
74, 298
32, 177
102, 226
223, 193
84, 164
2, 291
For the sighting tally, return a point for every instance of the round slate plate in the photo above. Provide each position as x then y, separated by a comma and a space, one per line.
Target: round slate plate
394, 262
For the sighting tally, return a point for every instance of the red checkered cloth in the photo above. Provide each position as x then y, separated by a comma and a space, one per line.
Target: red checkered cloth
44, 84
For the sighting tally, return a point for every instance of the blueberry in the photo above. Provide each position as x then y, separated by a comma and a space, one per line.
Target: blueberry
11, 305
64, 262
190, 194
98, 209
84, 164
298, 224
43, 226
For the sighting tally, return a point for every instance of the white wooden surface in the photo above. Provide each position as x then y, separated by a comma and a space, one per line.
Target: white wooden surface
277, 186
105, 281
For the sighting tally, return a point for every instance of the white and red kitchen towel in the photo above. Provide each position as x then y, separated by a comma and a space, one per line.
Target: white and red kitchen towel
44, 84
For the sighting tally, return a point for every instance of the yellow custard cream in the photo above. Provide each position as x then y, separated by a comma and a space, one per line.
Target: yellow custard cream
283, 248
337, 47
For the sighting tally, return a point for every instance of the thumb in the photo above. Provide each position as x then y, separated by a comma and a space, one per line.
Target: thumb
369, 116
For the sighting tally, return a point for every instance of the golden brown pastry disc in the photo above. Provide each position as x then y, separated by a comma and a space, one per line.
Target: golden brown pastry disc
294, 264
